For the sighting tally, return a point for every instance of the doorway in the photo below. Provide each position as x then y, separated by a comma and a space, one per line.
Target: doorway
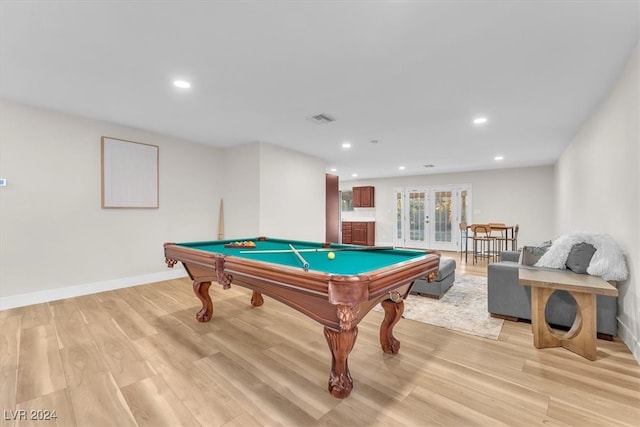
429, 217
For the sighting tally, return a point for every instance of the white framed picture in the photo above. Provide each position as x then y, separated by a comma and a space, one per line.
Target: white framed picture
130, 177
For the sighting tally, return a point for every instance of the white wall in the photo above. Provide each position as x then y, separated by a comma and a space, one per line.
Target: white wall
598, 186
55, 233
241, 190
522, 196
274, 192
57, 241
292, 194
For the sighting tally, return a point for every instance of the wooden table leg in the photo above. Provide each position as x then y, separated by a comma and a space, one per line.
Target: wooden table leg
201, 289
256, 299
543, 337
582, 336
580, 339
392, 314
340, 343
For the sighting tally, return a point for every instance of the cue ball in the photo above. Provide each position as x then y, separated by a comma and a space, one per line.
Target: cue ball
331, 255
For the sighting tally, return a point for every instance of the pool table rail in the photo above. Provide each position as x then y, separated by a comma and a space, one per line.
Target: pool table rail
313, 293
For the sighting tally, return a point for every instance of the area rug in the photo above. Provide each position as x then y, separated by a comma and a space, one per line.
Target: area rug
462, 308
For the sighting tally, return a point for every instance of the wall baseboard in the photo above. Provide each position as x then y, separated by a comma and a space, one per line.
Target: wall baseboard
625, 334
39, 297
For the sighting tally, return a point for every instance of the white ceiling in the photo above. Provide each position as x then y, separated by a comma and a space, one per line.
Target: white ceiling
411, 75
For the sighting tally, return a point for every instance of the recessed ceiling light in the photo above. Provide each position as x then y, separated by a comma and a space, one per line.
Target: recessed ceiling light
334, 170
498, 158
354, 175
346, 145
480, 120
182, 84
402, 168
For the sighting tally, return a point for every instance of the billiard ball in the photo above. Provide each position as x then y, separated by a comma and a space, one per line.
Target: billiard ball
331, 255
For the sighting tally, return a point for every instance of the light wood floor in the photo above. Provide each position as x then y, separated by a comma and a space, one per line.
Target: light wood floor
137, 356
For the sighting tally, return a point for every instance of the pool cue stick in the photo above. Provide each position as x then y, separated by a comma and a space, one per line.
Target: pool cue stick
362, 248
286, 251
304, 262
221, 220
283, 251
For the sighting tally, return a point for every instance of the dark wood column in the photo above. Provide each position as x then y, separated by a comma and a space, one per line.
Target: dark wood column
332, 209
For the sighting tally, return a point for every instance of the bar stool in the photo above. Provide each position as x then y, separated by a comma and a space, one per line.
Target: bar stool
482, 236
463, 240
514, 239
501, 238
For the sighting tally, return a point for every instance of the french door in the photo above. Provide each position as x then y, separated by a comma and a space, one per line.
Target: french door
429, 217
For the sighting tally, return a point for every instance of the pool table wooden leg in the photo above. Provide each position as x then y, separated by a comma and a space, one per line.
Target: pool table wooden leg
392, 314
256, 299
340, 343
201, 289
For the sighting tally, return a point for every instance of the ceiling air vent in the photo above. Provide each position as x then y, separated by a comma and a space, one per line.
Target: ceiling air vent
322, 118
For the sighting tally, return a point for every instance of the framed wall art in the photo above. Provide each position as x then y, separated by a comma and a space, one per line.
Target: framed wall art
130, 176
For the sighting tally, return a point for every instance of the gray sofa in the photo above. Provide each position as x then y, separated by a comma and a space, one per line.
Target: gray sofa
508, 299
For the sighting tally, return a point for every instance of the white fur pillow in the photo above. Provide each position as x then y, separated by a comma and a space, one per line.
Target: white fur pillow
608, 260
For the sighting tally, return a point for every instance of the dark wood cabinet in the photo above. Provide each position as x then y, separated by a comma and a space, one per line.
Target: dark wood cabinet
359, 233
363, 197
347, 236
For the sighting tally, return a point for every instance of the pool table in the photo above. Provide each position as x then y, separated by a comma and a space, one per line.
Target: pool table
337, 293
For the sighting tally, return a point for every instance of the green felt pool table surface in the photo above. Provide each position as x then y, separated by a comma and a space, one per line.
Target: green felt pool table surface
346, 262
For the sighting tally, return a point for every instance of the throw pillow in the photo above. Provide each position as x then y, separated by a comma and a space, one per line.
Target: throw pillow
531, 254
580, 257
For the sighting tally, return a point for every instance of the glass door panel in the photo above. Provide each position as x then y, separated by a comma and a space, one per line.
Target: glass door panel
462, 213
429, 217
464, 202
442, 227
399, 232
417, 218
